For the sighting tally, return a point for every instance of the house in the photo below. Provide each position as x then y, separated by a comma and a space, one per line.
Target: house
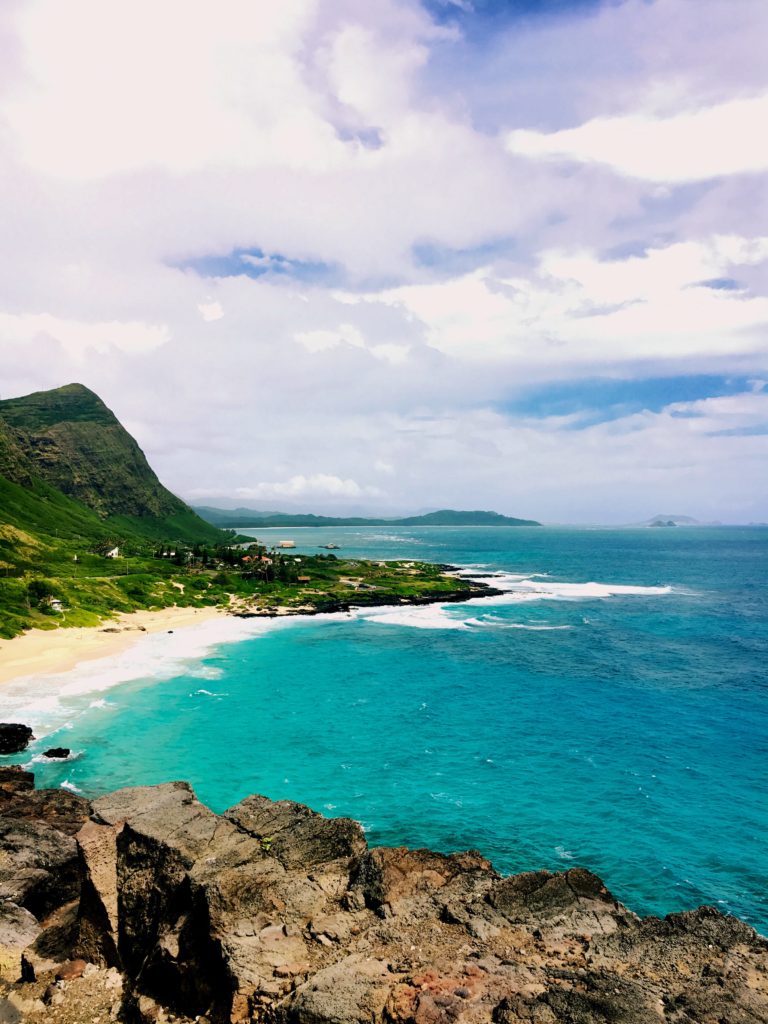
56, 605
266, 560
286, 544
246, 558
114, 553
304, 579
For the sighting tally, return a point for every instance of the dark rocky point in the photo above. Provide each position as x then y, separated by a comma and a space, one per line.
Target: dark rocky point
145, 906
14, 737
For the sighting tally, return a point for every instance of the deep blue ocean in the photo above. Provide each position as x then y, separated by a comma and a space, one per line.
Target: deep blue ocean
622, 726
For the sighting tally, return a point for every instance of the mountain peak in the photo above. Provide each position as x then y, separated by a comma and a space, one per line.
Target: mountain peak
42, 409
75, 443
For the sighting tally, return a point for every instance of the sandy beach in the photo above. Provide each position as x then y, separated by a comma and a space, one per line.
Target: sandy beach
42, 652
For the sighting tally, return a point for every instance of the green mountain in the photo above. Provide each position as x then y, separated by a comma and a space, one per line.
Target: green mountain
68, 439
249, 518
74, 485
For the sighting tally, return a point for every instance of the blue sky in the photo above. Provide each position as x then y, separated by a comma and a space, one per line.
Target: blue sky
400, 255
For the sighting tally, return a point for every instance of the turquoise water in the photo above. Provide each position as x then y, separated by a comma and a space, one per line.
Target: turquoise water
558, 725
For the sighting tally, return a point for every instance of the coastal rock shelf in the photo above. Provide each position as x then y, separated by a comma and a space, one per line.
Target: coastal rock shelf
146, 906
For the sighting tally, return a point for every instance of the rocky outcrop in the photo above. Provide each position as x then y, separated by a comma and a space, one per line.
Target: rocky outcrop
273, 913
14, 737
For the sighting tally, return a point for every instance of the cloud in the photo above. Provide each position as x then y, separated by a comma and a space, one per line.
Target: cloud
693, 146
318, 485
78, 338
321, 341
579, 309
210, 311
337, 180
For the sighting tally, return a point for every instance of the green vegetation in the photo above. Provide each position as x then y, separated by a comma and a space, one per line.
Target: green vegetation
61, 582
245, 518
87, 530
70, 440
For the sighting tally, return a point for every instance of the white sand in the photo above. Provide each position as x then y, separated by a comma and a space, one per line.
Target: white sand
42, 652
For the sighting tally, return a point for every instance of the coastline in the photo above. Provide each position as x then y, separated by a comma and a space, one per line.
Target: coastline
45, 652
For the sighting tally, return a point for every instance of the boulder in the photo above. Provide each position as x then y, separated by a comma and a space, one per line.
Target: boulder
576, 901
18, 929
38, 865
57, 753
296, 835
355, 989
14, 737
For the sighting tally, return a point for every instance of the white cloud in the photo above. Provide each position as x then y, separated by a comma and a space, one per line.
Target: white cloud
318, 485
210, 310
579, 309
322, 340
78, 338
391, 353
728, 138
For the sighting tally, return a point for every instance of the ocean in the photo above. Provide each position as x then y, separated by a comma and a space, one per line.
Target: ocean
609, 710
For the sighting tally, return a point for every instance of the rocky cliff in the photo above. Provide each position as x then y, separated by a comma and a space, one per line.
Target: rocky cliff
146, 906
76, 444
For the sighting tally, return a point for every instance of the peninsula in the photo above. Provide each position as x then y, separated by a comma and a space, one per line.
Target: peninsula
88, 531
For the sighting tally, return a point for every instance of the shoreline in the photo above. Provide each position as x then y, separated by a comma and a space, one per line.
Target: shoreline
48, 652
45, 652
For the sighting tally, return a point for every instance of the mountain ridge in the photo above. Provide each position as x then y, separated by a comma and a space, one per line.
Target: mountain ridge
253, 519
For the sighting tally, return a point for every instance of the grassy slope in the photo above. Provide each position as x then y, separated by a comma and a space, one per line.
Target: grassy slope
42, 531
48, 539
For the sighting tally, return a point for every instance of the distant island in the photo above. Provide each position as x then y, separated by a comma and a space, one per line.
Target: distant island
248, 518
673, 519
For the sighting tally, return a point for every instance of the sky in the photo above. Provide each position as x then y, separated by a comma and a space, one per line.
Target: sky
342, 256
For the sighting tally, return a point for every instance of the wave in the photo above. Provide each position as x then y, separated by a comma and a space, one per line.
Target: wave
431, 616
391, 537
66, 784
530, 585
493, 622
51, 702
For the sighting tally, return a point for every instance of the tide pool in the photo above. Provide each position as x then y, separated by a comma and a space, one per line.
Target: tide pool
609, 709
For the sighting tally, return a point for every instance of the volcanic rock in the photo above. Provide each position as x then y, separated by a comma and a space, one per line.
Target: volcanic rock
14, 737
272, 913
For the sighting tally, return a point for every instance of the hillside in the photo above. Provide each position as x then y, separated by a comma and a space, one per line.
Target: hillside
250, 518
69, 439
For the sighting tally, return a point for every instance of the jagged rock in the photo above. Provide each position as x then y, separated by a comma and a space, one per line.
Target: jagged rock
296, 835
355, 989
271, 913
65, 811
38, 865
57, 753
18, 929
387, 877
576, 899
13, 779
14, 737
